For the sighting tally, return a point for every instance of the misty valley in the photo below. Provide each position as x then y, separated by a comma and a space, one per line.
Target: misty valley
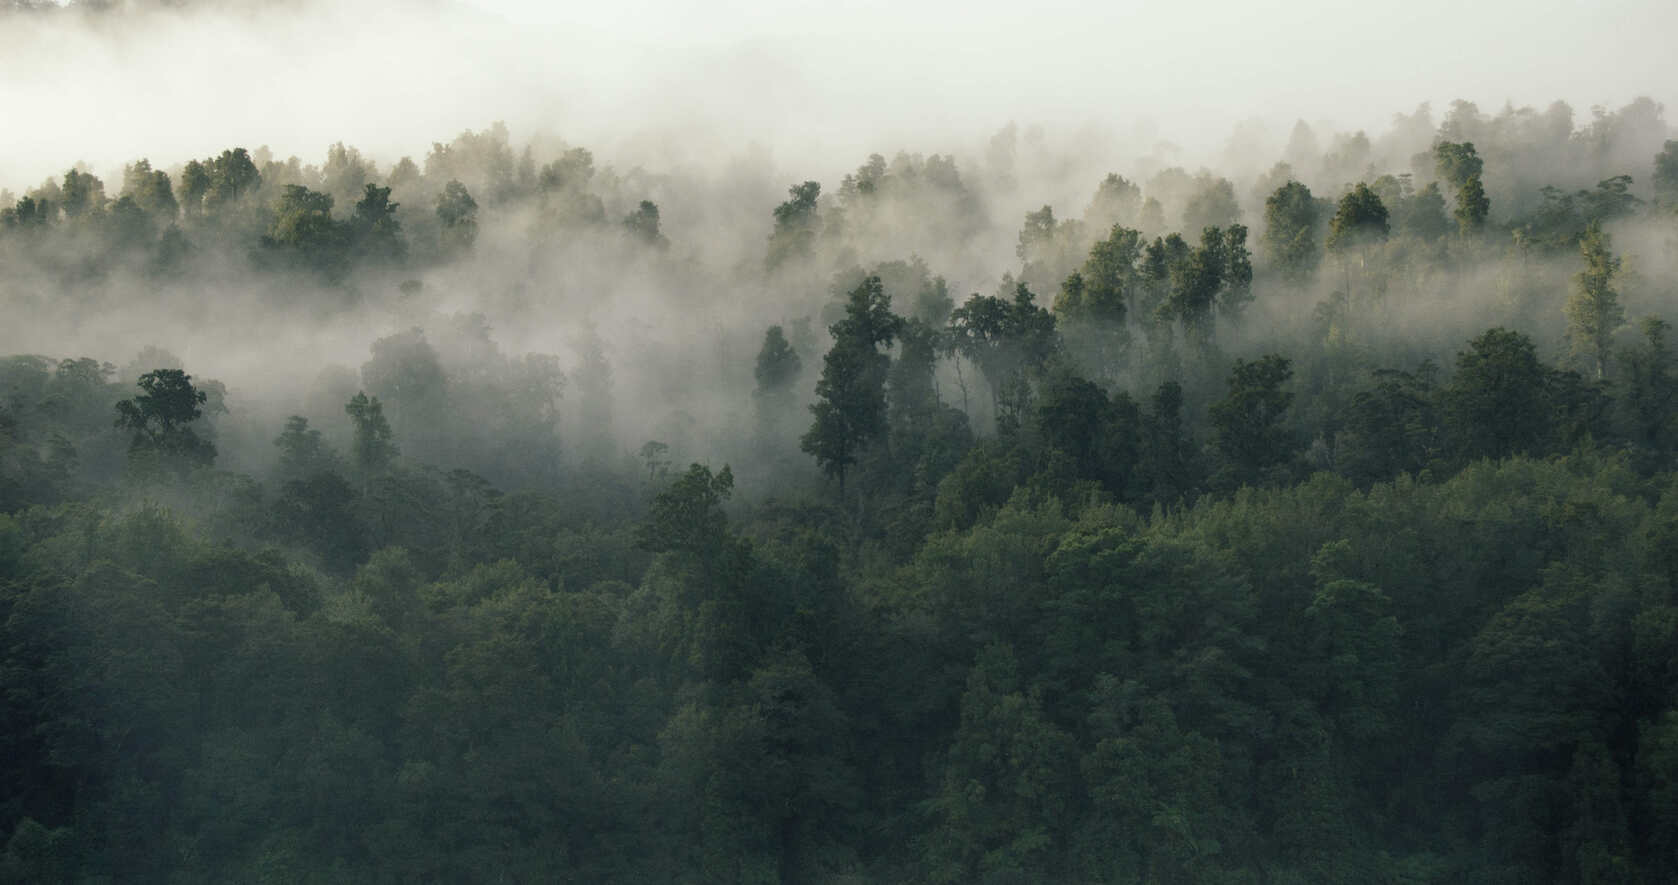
1032, 512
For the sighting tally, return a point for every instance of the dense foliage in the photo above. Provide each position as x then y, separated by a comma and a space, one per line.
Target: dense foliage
1169, 561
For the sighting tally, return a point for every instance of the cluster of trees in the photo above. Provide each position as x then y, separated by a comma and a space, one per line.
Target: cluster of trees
1177, 558
1410, 680
330, 221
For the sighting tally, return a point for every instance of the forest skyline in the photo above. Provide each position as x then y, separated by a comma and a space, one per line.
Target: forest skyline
658, 84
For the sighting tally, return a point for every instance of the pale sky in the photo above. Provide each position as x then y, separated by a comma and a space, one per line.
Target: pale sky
811, 81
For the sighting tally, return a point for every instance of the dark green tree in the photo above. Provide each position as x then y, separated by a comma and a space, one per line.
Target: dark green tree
1237, 291
1472, 207
306, 234
796, 223
1647, 374
127, 225
373, 448
1195, 284
1103, 291
1497, 403
1610, 199
1006, 784
850, 407
688, 516
1170, 469
151, 190
1006, 339
29, 214
642, 224
231, 176
912, 385
1392, 427
195, 183
374, 232
1163, 262
1460, 165
1359, 221
1100, 435
161, 421
316, 509
83, 195
1292, 238
1424, 214
1247, 424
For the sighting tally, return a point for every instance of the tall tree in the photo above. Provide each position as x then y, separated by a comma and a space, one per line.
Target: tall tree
1195, 284
778, 364
304, 229
796, 224
373, 449
1048, 249
374, 231
1291, 231
1247, 423
1359, 221
1424, 214
1094, 303
1108, 275
1593, 311
1390, 428
231, 176
1005, 338
1460, 166
1666, 175
850, 407
913, 387
151, 189
195, 183
1161, 262
1649, 389
688, 516
1237, 290
1498, 404
1100, 435
1169, 467
83, 195
457, 212
776, 372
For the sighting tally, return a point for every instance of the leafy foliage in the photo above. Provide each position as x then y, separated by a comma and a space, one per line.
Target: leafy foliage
161, 420
1306, 600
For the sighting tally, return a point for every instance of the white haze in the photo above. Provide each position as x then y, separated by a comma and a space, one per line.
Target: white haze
819, 84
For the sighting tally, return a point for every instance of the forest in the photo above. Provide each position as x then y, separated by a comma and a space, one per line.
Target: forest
1023, 513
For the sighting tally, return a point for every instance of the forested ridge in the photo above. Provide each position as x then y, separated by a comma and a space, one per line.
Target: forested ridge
508, 516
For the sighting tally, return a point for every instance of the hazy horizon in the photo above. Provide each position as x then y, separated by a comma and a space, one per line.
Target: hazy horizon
668, 85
